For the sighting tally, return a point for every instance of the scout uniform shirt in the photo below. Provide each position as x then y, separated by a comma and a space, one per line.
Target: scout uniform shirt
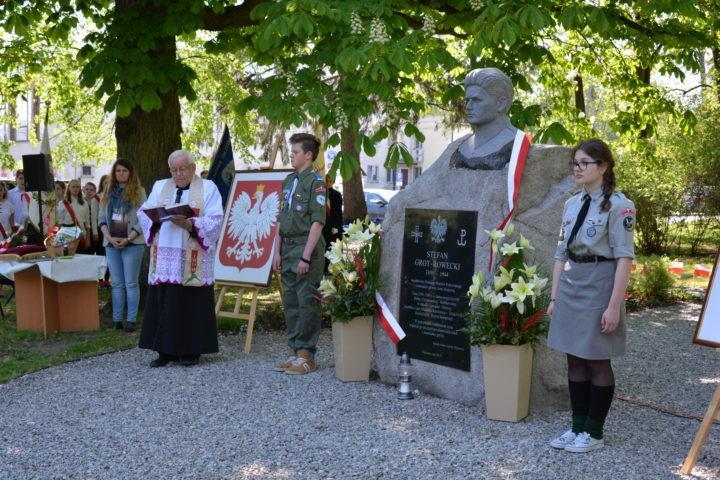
606, 234
303, 203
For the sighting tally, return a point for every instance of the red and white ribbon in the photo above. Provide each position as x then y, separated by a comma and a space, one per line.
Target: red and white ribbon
387, 320
521, 147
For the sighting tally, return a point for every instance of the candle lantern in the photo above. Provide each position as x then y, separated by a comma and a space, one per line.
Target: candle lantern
405, 378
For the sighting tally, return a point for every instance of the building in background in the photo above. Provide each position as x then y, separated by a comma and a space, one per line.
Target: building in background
437, 138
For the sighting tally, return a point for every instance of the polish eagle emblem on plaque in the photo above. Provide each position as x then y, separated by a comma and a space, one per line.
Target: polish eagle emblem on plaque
438, 229
250, 225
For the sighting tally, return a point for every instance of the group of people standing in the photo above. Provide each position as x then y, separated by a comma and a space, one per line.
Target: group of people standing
590, 275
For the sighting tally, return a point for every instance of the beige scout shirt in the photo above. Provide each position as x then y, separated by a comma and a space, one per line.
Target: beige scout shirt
607, 234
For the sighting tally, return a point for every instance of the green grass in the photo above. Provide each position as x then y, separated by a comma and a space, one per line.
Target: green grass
22, 352
687, 278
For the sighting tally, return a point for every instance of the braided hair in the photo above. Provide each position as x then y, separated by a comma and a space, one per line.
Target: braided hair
600, 152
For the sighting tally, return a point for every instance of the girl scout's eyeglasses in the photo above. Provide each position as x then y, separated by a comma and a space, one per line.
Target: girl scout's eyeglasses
582, 166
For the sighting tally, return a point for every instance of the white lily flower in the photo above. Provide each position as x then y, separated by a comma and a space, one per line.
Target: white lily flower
529, 270
362, 236
525, 243
495, 235
327, 287
487, 293
510, 230
496, 299
503, 279
474, 291
350, 277
510, 249
539, 283
354, 227
335, 254
375, 227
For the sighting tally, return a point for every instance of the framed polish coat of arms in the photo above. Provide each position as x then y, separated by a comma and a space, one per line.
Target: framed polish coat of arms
250, 228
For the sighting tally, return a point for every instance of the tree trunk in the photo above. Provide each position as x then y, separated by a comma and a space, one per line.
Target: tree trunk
716, 69
643, 74
579, 94
354, 206
147, 138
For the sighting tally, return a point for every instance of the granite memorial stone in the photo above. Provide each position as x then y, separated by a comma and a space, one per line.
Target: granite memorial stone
472, 175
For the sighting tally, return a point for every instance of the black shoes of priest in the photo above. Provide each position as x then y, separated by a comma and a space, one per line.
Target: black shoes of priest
185, 361
189, 361
129, 327
161, 361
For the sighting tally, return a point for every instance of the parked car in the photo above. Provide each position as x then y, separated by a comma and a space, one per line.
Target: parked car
377, 200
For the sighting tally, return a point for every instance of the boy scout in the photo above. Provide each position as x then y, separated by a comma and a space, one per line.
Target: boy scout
299, 254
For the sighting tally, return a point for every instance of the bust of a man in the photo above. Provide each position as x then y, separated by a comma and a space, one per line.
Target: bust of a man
488, 96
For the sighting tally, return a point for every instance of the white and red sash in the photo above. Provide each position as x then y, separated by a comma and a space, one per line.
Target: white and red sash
521, 147
71, 212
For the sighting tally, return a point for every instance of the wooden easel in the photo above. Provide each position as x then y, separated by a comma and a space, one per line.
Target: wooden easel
235, 313
712, 414
708, 337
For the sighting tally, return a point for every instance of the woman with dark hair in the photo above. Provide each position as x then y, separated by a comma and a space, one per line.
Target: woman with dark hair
123, 239
590, 276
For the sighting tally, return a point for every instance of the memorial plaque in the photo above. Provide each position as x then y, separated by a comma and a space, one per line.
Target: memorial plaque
438, 263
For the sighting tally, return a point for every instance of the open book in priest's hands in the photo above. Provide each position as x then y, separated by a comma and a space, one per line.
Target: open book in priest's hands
161, 214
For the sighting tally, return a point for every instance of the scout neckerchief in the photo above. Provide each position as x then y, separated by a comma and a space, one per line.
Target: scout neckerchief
192, 271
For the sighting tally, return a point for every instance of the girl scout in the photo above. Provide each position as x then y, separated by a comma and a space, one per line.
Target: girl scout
587, 309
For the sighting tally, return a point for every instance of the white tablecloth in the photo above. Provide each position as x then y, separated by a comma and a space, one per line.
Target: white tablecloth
80, 268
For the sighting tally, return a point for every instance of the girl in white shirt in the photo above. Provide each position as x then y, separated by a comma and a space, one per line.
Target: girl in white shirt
6, 213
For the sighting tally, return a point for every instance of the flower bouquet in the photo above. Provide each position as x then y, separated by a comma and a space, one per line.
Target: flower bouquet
509, 308
348, 295
349, 291
506, 316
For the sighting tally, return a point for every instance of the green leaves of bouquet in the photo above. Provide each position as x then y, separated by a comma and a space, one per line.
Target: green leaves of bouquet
509, 307
349, 290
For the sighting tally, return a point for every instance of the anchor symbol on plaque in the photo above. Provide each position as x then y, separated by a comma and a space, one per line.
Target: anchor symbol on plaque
416, 234
462, 242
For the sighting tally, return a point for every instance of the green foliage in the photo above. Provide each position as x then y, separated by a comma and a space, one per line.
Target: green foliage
217, 90
652, 283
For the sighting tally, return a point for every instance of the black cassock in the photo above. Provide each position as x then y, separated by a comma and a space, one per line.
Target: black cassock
179, 320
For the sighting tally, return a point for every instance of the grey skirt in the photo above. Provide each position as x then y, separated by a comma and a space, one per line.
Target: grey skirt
583, 295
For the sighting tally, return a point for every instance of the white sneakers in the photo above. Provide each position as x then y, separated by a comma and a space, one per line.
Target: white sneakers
584, 443
580, 443
563, 440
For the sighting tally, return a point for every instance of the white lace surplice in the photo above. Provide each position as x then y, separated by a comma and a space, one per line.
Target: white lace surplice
171, 241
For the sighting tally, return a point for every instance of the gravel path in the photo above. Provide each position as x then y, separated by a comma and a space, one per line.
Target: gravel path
232, 418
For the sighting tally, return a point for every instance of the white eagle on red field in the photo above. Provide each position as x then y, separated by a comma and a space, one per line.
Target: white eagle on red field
249, 224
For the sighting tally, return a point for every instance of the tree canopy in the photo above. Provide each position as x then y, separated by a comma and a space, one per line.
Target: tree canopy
340, 62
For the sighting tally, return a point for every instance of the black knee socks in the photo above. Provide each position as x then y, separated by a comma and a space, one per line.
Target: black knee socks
600, 400
580, 401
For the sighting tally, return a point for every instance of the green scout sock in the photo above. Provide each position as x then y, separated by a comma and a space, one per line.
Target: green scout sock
600, 400
580, 402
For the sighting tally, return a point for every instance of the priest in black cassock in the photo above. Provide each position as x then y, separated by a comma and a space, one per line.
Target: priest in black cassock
179, 320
